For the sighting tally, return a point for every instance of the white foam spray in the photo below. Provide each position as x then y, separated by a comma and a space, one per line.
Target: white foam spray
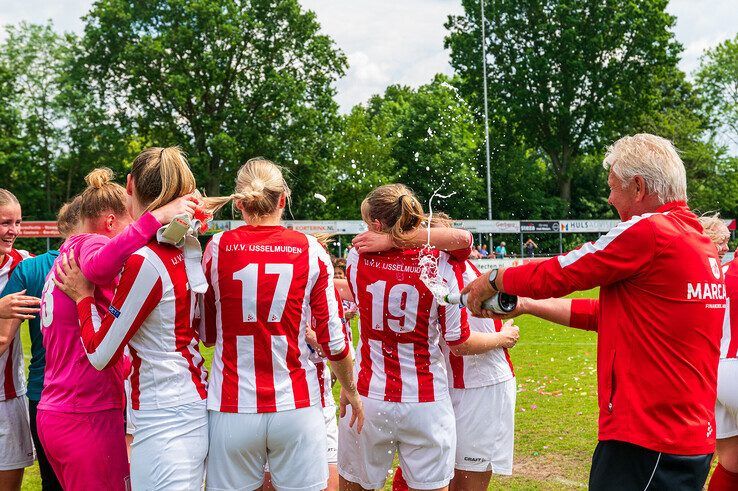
428, 261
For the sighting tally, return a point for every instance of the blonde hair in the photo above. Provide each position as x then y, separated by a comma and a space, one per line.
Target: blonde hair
324, 239
101, 195
8, 198
440, 220
397, 209
68, 217
711, 227
259, 187
161, 175
653, 158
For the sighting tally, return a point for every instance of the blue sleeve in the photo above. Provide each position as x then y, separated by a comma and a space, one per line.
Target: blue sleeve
16, 283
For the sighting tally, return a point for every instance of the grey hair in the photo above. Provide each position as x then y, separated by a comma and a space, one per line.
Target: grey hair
653, 158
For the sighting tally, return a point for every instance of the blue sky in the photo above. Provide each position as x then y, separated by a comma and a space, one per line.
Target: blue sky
401, 41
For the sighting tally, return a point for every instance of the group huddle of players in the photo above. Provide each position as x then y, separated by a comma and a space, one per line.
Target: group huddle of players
123, 311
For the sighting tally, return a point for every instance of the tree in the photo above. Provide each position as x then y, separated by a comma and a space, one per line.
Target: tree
226, 79
717, 79
427, 138
32, 59
567, 75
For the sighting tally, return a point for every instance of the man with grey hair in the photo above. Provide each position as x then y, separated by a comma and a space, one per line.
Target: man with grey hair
658, 319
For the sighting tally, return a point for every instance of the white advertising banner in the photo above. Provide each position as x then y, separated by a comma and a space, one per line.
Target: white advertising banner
489, 226
586, 226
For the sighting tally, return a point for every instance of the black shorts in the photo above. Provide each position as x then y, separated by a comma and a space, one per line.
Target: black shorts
620, 466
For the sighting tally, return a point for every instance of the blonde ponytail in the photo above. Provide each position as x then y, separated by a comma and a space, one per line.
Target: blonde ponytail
259, 187
397, 209
161, 175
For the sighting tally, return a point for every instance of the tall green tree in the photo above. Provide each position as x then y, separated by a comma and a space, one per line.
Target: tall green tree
567, 75
32, 59
226, 79
717, 79
426, 138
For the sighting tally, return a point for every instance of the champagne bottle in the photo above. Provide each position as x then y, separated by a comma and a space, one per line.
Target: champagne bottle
500, 303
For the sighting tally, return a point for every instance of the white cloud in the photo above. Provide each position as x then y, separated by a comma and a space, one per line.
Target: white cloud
401, 41
387, 42
66, 14
702, 24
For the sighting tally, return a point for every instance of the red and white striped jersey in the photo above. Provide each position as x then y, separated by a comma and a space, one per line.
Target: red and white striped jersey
11, 362
399, 358
490, 368
266, 284
152, 313
729, 341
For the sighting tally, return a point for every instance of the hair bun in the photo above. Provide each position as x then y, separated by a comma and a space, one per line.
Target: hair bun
258, 185
99, 177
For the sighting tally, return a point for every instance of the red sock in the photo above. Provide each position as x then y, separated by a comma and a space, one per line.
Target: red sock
723, 480
398, 482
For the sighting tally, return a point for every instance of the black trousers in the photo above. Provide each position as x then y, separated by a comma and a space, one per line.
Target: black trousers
49, 482
620, 466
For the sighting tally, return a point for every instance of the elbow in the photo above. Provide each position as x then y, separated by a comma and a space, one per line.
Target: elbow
97, 361
459, 349
4, 344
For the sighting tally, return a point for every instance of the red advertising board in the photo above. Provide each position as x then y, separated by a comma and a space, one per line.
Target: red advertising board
39, 229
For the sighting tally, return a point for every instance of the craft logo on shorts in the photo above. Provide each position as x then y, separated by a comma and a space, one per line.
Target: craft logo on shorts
114, 311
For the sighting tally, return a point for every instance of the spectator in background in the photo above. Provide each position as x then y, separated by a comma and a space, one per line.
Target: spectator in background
530, 247
500, 251
483, 250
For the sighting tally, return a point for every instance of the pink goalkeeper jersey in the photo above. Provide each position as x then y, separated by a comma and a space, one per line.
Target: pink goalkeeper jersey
266, 284
71, 383
399, 358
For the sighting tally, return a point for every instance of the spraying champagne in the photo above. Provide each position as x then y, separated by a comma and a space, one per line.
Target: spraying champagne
499, 303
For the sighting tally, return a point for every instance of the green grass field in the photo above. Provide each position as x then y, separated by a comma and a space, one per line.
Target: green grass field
556, 421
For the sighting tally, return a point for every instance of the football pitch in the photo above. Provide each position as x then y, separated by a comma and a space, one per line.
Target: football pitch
556, 415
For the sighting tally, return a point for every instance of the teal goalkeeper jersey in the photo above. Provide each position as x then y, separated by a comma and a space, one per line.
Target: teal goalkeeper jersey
31, 275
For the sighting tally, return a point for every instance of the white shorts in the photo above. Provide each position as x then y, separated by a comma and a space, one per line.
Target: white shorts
422, 433
331, 430
485, 427
293, 441
169, 447
16, 445
726, 408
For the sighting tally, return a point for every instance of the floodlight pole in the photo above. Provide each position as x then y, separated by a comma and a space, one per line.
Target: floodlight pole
486, 118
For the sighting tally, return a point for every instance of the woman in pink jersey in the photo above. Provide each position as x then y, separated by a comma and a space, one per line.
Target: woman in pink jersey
266, 284
401, 369
152, 313
80, 415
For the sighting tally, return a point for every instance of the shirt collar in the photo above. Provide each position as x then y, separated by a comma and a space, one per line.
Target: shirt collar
671, 205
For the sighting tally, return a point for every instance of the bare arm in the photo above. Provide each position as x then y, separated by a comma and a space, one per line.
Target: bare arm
445, 239
344, 372
556, 310
8, 328
482, 342
344, 290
